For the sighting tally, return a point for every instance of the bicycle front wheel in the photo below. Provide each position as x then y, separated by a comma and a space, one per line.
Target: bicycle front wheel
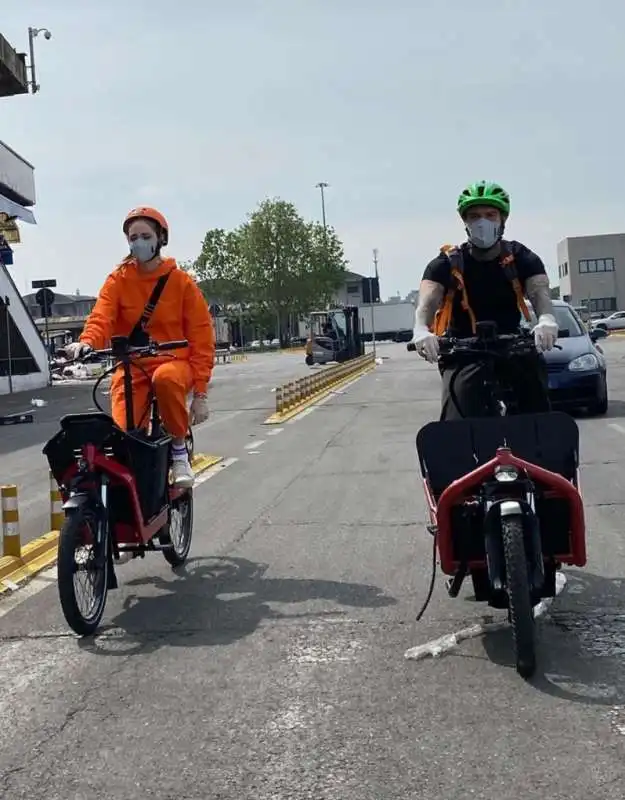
81, 557
519, 596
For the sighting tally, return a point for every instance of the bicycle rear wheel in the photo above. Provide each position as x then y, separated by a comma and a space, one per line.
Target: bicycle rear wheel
82, 552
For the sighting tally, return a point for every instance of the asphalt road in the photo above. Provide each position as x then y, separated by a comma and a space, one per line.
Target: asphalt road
273, 665
240, 390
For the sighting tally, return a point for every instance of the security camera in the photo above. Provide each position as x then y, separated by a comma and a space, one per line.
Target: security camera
47, 35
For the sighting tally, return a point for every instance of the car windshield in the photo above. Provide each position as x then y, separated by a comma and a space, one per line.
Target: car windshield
566, 319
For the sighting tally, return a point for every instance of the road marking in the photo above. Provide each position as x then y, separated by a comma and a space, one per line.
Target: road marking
443, 644
210, 473
255, 444
274, 431
324, 400
42, 581
615, 426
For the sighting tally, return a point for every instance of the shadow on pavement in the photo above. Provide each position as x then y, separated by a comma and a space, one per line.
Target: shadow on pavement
616, 409
581, 642
217, 601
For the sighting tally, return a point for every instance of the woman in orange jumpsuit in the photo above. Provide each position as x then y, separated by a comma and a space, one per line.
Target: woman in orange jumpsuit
180, 313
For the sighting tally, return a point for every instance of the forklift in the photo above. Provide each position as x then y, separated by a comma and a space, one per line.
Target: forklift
334, 336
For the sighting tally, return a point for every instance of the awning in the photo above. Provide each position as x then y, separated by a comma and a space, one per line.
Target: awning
16, 210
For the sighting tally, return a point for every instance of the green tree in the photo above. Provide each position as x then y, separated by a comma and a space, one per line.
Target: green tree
218, 268
291, 266
276, 265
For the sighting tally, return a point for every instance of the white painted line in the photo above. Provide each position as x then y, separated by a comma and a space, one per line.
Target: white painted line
436, 647
37, 584
304, 413
326, 399
255, 444
615, 426
274, 431
212, 471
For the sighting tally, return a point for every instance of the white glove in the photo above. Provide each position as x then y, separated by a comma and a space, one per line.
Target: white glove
427, 344
545, 332
199, 408
76, 350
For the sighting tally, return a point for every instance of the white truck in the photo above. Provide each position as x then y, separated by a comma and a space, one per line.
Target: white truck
391, 321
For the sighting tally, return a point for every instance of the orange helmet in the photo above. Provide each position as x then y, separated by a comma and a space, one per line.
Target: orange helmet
146, 212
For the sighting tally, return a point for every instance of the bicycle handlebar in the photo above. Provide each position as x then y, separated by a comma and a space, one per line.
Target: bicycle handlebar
499, 345
121, 349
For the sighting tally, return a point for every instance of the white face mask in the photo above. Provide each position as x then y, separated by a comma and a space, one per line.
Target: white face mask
483, 233
144, 249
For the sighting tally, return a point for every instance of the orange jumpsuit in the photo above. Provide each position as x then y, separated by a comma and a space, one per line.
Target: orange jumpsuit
181, 313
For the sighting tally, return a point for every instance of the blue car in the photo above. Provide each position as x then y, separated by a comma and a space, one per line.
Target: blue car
577, 372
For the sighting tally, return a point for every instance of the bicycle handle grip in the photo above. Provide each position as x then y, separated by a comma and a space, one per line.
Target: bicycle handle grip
411, 347
174, 345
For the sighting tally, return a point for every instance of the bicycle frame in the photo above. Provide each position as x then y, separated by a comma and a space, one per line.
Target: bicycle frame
464, 489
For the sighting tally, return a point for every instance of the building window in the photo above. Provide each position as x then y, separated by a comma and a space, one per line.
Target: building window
602, 305
353, 288
596, 265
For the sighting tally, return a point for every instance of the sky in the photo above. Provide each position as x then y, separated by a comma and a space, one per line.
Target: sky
204, 109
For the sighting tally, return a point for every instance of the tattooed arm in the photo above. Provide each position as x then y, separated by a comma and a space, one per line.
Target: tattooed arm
430, 298
537, 290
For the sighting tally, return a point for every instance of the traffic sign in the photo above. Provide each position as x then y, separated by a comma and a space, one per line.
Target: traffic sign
44, 284
44, 298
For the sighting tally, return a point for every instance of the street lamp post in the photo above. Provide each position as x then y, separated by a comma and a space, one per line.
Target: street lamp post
32, 32
371, 288
322, 186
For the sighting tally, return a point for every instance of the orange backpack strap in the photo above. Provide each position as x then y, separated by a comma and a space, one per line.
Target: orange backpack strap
443, 318
508, 265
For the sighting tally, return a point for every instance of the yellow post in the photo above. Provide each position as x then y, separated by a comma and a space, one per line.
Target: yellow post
57, 516
279, 400
11, 544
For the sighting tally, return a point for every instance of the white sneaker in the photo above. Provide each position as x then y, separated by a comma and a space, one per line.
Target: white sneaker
182, 473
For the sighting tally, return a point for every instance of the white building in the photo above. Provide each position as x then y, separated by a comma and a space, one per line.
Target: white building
23, 357
592, 272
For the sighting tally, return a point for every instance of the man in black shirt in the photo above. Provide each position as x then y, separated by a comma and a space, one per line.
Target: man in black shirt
485, 279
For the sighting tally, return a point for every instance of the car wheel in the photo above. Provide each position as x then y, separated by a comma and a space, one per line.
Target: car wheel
601, 405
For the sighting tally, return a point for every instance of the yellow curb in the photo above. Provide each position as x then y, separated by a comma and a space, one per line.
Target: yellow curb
202, 462
41, 552
276, 417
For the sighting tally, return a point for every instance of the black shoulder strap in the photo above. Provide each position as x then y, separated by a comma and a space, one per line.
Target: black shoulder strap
157, 291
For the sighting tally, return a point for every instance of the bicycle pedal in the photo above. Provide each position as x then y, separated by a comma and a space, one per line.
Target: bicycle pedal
432, 529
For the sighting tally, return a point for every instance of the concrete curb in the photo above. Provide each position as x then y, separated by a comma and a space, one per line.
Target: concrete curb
41, 552
317, 387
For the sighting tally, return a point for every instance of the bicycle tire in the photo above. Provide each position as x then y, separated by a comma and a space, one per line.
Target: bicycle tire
69, 537
175, 555
519, 597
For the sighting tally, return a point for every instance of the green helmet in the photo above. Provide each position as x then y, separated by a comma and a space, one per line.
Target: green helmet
484, 193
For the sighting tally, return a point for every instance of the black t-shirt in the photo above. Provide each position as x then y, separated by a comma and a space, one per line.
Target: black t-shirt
490, 293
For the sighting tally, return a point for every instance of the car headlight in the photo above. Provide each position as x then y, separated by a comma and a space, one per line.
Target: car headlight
581, 363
